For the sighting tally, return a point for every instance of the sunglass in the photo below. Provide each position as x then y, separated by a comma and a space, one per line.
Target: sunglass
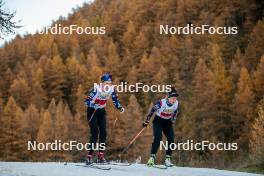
108, 82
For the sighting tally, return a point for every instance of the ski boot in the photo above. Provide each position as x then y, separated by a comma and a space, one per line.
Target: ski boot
168, 162
100, 157
89, 159
151, 160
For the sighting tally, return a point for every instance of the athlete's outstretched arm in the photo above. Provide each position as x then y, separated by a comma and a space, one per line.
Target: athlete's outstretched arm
115, 100
89, 97
176, 113
156, 106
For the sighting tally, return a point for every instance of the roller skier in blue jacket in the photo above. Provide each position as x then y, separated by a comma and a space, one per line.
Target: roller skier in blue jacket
96, 115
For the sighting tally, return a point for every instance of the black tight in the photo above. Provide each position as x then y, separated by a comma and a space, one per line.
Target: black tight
97, 125
162, 125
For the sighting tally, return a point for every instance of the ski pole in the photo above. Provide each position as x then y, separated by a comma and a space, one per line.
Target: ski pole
131, 142
115, 122
92, 115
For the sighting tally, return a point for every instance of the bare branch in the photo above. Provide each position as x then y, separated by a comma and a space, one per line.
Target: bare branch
7, 25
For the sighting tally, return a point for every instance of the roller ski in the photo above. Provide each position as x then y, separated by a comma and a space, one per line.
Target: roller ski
151, 163
168, 162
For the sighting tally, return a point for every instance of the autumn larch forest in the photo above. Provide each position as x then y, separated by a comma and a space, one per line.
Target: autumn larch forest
220, 79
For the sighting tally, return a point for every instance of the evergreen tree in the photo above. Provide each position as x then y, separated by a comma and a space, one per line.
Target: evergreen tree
171, 51
243, 108
236, 66
21, 92
30, 126
55, 50
94, 68
37, 92
129, 35
75, 49
12, 137
77, 131
259, 80
255, 48
134, 119
31, 122
2, 128
63, 117
54, 79
52, 108
44, 45
257, 136
115, 131
76, 75
149, 65
79, 104
60, 122
140, 45
100, 49
125, 65
201, 99
8, 78
113, 60
222, 87
92, 59
45, 134
1, 105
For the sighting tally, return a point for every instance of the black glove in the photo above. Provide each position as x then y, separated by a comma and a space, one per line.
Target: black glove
121, 109
145, 124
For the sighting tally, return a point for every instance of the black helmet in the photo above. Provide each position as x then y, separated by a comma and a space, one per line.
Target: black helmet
173, 93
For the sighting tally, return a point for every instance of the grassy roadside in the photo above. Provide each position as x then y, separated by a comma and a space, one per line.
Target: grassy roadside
251, 169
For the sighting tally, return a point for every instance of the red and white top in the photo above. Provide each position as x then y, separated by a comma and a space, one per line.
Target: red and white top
165, 111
